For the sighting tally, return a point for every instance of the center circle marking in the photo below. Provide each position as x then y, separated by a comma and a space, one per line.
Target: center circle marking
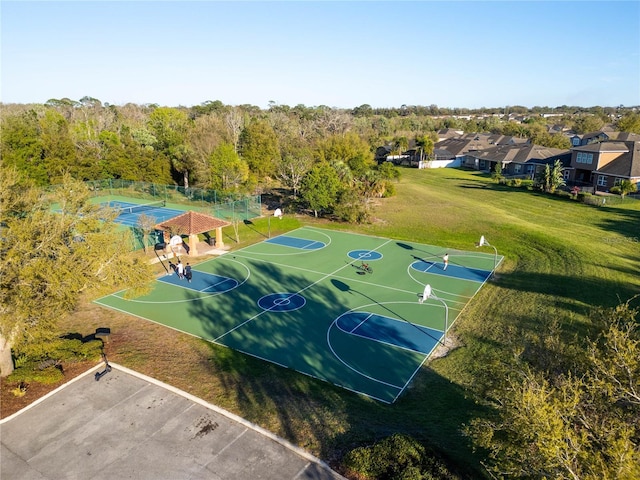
282, 302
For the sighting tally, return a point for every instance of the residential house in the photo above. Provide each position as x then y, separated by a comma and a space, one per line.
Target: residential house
520, 160
588, 138
445, 133
452, 151
410, 157
604, 165
382, 153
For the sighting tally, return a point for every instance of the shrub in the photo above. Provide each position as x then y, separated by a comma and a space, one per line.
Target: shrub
398, 457
40, 362
584, 197
389, 190
515, 182
31, 372
617, 190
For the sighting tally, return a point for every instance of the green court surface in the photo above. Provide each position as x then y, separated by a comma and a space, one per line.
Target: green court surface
303, 301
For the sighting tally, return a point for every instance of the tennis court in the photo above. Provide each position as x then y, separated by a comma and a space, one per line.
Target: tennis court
129, 212
305, 301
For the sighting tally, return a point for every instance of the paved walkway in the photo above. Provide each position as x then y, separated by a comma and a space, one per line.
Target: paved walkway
127, 425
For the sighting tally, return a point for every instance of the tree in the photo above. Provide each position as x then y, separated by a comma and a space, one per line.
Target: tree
259, 148
146, 225
626, 187
588, 124
581, 424
233, 120
58, 149
50, 258
552, 178
426, 144
292, 168
320, 187
497, 172
350, 149
170, 126
207, 133
228, 171
21, 146
629, 122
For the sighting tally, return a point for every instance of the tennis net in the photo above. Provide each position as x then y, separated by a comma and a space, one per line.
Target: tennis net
140, 208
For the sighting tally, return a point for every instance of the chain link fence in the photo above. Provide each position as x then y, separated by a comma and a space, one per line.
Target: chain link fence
226, 206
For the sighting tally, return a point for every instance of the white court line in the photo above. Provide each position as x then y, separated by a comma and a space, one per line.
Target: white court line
296, 293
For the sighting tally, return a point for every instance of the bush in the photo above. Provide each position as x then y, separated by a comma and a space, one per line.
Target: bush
31, 372
40, 362
617, 190
584, 197
398, 457
389, 190
514, 182
61, 349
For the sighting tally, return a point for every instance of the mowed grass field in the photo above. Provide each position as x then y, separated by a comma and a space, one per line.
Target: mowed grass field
562, 258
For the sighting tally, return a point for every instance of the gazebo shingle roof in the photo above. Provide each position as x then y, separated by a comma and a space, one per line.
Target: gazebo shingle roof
192, 223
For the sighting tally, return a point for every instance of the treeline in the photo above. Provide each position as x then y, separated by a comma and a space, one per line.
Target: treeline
324, 157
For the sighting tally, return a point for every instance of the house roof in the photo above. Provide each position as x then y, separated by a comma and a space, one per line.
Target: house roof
460, 146
192, 223
626, 136
603, 147
589, 135
627, 164
521, 154
449, 133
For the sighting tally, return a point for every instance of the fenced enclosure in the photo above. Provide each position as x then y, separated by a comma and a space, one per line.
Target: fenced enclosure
222, 205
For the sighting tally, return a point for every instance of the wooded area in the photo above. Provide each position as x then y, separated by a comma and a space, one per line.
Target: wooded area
557, 405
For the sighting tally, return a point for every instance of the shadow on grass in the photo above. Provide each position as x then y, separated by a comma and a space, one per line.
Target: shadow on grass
585, 290
313, 413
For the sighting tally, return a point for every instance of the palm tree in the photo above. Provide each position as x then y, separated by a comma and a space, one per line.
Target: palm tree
627, 186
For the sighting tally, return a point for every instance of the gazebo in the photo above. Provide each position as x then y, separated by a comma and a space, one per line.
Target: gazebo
191, 224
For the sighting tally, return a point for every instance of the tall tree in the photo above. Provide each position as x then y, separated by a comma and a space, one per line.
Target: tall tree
58, 148
50, 257
292, 168
350, 149
259, 148
629, 122
228, 171
320, 187
170, 126
21, 146
207, 133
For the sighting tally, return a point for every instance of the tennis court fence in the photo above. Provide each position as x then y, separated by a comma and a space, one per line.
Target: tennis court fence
219, 204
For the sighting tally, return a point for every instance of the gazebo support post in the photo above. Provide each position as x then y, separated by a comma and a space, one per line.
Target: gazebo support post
219, 242
193, 245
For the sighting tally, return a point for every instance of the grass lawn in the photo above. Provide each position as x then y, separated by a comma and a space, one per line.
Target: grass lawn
561, 259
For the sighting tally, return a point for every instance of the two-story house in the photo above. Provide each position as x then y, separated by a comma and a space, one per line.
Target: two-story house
604, 165
588, 138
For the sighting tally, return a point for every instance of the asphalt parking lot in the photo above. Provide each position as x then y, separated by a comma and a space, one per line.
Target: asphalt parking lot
127, 425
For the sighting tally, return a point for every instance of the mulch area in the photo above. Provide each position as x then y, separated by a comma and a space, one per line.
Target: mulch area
10, 403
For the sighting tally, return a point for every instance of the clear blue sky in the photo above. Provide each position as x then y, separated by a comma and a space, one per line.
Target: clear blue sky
341, 54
